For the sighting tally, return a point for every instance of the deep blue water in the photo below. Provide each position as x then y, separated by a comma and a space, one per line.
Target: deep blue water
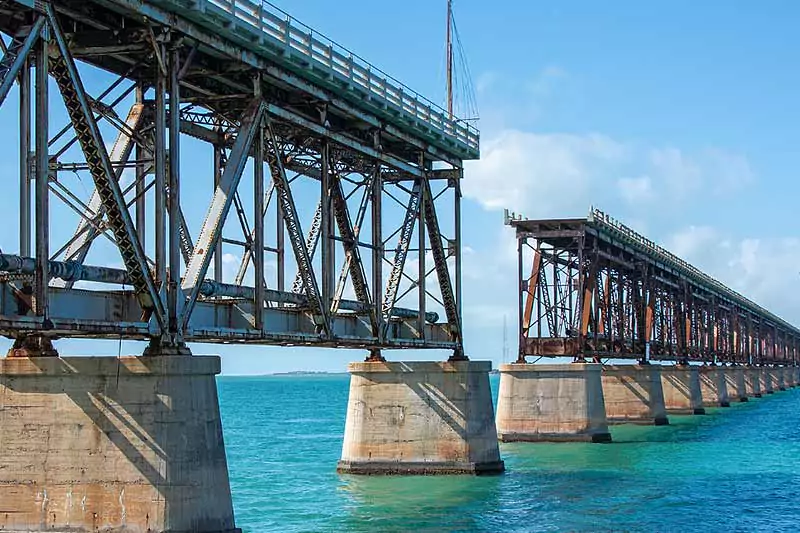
734, 469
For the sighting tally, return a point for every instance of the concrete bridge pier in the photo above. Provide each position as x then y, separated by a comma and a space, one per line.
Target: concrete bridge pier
778, 373
420, 418
713, 386
752, 381
633, 394
128, 444
767, 383
551, 403
681, 386
735, 382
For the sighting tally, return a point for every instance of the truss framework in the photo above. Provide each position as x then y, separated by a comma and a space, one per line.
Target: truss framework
279, 145
596, 289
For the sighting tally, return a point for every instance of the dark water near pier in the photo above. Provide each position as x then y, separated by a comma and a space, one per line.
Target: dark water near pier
736, 469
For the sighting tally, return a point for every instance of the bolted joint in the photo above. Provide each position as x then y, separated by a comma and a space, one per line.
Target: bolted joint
458, 355
375, 356
161, 346
32, 346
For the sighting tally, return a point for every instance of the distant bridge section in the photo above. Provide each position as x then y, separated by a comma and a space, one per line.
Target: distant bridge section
594, 288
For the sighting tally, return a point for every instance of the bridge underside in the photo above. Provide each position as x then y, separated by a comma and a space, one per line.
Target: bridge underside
593, 288
308, 211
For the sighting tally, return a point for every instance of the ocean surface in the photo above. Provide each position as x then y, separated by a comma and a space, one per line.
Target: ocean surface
735, 469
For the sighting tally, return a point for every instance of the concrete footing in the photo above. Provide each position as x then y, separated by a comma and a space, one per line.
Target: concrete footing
104, 444
681, 386
633, 394
713, 386
767, 380
420, 418
752, 382
551, 403
778, 373
735, 381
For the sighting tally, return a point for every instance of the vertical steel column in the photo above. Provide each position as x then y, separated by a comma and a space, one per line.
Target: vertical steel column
326, 229
24, 160
520, 300
377, 252
42, 273
457, 243
174, 190
421, 247
217, 176
258, 214
160, 142
280, 244
141, 200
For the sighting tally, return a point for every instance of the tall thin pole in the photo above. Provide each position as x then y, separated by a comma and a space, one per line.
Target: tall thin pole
450, 58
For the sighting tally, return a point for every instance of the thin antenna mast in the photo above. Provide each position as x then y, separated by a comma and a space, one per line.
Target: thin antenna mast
450, 58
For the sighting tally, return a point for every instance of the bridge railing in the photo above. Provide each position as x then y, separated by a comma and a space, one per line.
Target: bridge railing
324, 53
603, 219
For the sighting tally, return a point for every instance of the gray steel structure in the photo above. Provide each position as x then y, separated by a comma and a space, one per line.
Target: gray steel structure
597, 289
284, 111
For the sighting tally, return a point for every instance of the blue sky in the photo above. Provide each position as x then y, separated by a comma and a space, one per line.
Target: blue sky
679, 118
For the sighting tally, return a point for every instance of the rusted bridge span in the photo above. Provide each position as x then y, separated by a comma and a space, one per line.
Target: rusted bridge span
594, 288
341, 180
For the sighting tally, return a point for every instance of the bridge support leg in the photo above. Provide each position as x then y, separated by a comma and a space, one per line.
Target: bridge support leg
734, 377
778, 372
551, 403
633, 394
752, 381
765, 376
420, 418
681, 386
102, 444
713, 386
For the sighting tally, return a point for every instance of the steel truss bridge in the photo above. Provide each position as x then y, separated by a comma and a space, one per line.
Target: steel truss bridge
594, 288
335, 187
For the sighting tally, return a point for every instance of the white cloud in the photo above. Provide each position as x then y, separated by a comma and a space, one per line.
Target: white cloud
538, 174
562, 174
690, 243
636, 190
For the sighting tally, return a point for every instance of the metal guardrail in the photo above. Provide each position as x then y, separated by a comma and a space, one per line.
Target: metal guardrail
604, 221
323, 53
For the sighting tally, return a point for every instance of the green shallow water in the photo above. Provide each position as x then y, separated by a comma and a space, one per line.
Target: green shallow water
735, 469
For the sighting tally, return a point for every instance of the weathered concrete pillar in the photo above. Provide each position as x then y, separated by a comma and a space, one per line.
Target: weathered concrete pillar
752, 381
767, 383
99, 444
420, 418
713, 386
633, 394
681, 386
778, 372
734, 379
792, 371
551, 403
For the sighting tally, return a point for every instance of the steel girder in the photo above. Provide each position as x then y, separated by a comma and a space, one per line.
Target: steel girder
186, 83
592, 293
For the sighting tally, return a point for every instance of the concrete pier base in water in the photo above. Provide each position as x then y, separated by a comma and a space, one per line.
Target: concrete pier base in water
105, 444
767, 380
551, 403
681, 386
777, 372
752, 381
735, 381
713, 386
420, 418
633, 394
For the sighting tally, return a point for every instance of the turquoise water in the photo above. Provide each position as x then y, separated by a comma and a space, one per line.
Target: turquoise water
735, 469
